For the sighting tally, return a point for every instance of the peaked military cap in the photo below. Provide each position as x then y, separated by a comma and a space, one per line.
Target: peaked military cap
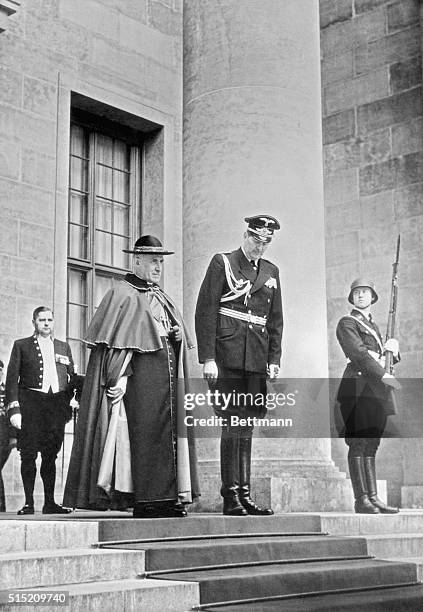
262, 226
361, 282
148, 245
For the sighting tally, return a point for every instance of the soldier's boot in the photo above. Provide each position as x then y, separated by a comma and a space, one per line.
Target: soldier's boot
362, 505
370, 469
244, 480
229, 470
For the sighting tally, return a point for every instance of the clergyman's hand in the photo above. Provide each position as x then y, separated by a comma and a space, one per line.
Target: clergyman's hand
210, 371
16, 421
177, 333
118, 391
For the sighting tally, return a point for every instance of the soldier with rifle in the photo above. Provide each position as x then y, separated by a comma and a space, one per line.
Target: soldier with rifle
366, 391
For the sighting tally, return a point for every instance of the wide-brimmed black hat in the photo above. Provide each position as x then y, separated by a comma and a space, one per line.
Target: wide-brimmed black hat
363, 282
148, 245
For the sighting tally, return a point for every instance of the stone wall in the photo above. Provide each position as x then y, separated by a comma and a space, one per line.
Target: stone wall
126, 54
373, 156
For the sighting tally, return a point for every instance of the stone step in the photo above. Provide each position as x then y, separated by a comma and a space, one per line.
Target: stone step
20, 535
272, 580
115, 529
338, 523
130, 595
226, 550
44, 568
387, 546
392, 599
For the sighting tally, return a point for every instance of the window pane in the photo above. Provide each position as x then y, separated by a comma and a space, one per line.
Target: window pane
120, 186
79, 354
121, 219
78, 141
77, 322
120, 260
120, 157
79, 174
77, 287
103, 248
104, 185
101, 286
104, 213
78, 241
77, 316
78, 209
104, 151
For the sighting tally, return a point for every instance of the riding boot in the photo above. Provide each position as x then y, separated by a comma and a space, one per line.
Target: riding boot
244, 479
230, 477
370, 469
362, 505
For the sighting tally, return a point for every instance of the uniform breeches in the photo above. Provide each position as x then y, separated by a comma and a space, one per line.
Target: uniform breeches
43, 426
365, 421
246, 392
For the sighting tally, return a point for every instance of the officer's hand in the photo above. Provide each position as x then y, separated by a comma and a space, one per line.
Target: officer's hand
392, 346
16, 421
272, 370
391, 381
118, 391
177, 333
210, 371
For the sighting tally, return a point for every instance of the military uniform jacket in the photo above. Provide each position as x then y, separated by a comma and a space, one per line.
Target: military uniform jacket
25, 369
234, 343
363, 374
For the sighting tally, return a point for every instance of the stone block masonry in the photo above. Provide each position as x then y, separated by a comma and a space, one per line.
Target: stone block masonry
373, 151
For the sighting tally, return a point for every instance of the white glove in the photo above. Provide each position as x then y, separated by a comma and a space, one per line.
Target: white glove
210, 371
390, 381
272, 370
16, 421
118, 391
392, 346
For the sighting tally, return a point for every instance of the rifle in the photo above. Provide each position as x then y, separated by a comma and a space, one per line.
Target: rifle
391, 405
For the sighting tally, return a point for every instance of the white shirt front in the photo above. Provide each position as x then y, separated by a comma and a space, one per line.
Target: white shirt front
50, 378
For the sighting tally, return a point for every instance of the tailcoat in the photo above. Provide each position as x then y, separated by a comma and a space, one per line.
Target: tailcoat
43, 414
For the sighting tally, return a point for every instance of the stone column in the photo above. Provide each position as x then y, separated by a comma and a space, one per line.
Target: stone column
252, 144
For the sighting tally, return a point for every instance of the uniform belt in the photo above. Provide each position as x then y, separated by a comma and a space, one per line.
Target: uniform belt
242, 316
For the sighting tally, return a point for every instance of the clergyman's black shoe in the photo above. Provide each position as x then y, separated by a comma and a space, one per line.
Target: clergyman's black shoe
55, 509
175, 511
26, 509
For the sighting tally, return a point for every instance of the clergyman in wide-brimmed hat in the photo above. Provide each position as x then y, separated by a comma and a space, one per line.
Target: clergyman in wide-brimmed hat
131, 448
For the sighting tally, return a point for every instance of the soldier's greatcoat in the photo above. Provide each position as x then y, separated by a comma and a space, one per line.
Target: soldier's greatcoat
237, 344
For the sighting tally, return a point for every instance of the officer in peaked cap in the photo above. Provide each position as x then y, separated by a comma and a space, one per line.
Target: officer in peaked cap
239, 325
362, 394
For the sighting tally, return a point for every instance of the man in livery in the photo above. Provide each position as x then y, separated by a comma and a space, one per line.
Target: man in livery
131, 447
39, 385
239, 325
362, 394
